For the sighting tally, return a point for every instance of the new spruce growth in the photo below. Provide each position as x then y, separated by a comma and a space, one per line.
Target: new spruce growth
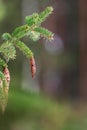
34, 31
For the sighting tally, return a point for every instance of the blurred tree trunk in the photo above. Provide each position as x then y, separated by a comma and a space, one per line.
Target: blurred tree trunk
64, 23
83, 47
49, 74
71, 51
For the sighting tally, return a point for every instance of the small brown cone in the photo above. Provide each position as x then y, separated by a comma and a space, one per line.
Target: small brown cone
4, 89
33, 66
7, 75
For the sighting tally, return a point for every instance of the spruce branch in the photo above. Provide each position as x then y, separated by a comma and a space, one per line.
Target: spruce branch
37, 19
25, 50
32, 19
34, 31
43, 15
2, 76
8, 50
21, 31
6, 36
44, 33
3, 63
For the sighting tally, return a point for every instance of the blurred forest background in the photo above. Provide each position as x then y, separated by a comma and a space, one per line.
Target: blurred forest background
56, 98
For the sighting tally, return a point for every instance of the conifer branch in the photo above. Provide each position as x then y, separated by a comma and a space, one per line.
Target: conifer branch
25, 50
3, 63
43, 15
44, 33
34, 31
32, 28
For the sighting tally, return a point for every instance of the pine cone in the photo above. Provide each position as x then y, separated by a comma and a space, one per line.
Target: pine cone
33, 66
7, 75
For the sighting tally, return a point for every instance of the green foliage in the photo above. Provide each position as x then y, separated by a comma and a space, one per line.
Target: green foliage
27, 52
3, 63
20, 31
36, 19
6, 36
32, 29
8, 50
32, 19
44, 33
43, 15
1, 75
